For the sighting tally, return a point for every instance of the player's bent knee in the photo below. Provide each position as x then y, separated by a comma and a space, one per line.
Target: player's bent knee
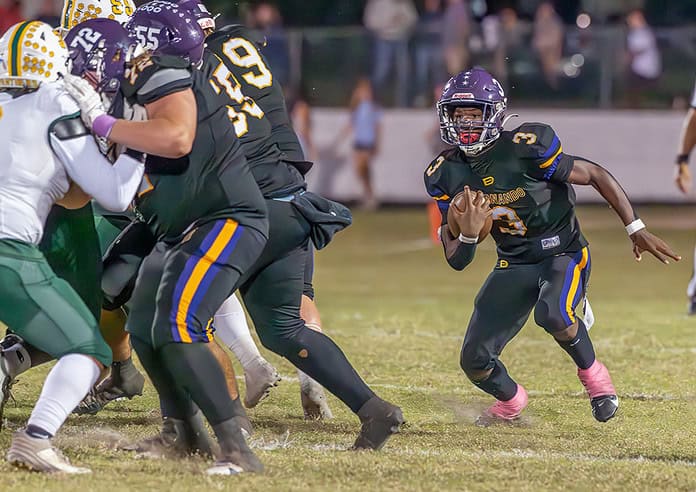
285, 340
567, 334
96, 349
549, 318
474, 364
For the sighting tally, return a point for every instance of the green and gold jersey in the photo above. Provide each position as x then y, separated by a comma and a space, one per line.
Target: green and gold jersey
239, 46
524, 174
213, 181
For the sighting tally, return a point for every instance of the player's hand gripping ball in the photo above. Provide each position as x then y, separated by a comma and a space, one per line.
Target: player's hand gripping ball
470, 214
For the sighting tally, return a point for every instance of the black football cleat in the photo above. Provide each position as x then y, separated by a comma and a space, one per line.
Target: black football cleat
380, 419
177, 439
125, 381
235, 454
604, 407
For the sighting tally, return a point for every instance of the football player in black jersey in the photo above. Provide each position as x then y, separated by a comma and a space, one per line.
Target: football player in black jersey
523, 180
201, 203
240, 50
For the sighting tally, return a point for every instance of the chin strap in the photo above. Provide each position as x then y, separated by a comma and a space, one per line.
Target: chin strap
509, 117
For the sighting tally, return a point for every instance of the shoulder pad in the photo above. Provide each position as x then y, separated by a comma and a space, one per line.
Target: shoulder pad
536, 141
68, 127
153, 77
435, 176
240, 31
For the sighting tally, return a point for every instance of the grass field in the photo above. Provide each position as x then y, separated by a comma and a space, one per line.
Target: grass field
391, 302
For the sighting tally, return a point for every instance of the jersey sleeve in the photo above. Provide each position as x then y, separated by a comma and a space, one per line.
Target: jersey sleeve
112, 186
540, 149
693, 98
435, 185
153, 77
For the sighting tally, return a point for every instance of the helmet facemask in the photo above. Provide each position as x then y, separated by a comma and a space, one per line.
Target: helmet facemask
472, 136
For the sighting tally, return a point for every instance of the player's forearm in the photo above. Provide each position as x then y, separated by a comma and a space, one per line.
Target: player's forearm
688, 133
161, 137
113, 186
457, 253
588, 173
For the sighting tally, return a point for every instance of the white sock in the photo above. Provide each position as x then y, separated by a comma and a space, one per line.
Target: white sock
66, 385
232, 328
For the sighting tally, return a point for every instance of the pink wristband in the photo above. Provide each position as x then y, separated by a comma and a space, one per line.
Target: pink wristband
103, 124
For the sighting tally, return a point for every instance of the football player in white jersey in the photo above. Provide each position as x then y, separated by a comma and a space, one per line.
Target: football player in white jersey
48, 156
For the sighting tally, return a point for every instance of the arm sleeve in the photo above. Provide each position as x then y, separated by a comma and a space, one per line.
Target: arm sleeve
540, 149
112, 186
693, 98
462, 257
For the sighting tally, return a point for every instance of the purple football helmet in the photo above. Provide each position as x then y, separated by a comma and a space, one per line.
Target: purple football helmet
199, 11
475, 88
99, 50
167, 29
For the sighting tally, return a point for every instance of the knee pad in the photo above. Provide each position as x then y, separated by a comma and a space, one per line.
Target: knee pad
286, 342
549, 318
475, 359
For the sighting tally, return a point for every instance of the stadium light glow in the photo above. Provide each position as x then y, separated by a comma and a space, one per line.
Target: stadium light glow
583, 21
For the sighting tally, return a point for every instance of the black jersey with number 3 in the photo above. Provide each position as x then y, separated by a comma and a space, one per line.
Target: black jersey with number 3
213, 181
524, 174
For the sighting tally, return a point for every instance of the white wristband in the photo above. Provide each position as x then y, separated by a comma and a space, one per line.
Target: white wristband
634, 227
468, 240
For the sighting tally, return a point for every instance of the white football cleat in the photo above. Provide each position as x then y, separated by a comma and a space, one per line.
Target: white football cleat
313, 398
259, 377
39, 455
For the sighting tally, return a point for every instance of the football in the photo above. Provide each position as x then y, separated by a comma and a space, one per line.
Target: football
458, 204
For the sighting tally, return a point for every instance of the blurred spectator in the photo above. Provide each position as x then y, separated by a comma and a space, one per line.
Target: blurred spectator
365, 122
644, 61
391, 23
456, 31
512, 44
266, 18
10, 14
432, 136
301, 117
428, 49
548, 42
48, 13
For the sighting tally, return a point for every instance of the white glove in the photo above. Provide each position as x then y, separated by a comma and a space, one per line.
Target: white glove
88, 99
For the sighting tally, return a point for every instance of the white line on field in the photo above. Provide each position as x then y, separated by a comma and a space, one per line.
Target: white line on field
285, 442
473, 392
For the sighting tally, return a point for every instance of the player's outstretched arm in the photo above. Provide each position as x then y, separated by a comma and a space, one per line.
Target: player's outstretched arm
687, 142
168, 132
588, 173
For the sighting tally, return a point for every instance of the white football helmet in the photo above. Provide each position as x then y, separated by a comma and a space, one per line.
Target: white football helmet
76, 11
31, 53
